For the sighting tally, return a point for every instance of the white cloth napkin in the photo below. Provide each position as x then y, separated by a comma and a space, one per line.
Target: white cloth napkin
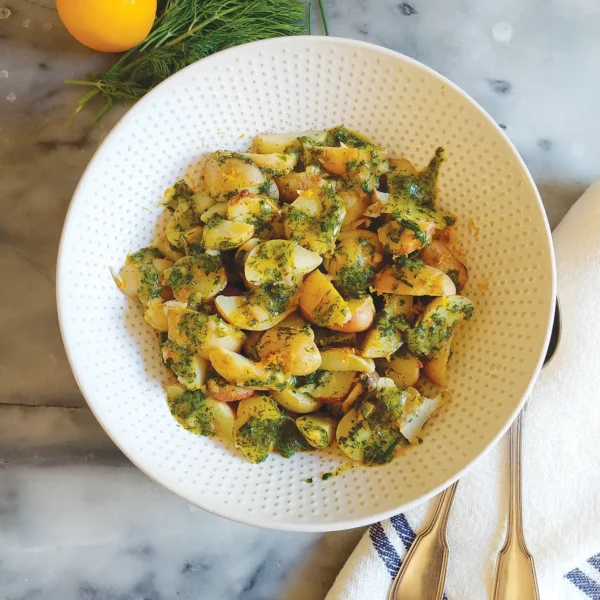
561, 461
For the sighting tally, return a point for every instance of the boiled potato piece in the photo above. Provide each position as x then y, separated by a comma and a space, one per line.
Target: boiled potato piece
266, 143
436, 324
417, 411
439, 256
140, 279
403, 370
241, 371
315, 218
255, 427
201, 331
197, 277
318, 430
174, 390
294, 401
220, 209
321, 303
276, 164
184, 219
255, 209
279, 262
257, 311
342, 161
224, 174
436, 366
345, 359
403, 166
354, 262
242, 252
238, 369
399, 239
379, 202
352, 434
156, 316
221, 234
192, 236
225, 392
366, 385
294, 321
325, 338
356, 202
334, 387
292, 184
362, 313
163, 244
223, 418
202, 202
417, 280
386, 336
292, 349
190, 369
202, 415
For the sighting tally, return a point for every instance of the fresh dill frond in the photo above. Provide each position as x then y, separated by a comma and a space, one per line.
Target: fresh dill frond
186, 31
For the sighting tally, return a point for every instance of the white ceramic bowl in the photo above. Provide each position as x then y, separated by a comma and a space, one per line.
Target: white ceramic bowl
289, 84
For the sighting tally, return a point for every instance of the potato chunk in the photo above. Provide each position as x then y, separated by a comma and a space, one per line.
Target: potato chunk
221, 234
315, 218
437, 323
321, 303
345, 359
292, 349
318, 430
224, 174
362, 313
418, 280
198, 277
266, 143
439, 256
279, 262
258, 310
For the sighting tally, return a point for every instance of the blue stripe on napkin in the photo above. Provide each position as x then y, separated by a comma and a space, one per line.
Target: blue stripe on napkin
595, 561
403, 529
588, 586
384, 547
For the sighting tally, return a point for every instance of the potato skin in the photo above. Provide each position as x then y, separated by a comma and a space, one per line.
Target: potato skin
439, 256
436, 366
362, 313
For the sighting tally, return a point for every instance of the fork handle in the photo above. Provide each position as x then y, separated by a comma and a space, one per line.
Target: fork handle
515, 572
423, 572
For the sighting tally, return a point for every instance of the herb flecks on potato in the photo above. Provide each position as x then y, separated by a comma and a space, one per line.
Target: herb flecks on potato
302, 291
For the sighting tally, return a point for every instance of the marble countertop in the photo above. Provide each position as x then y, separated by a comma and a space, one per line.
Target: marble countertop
77, 521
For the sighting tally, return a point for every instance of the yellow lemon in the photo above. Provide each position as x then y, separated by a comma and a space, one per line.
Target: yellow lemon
107, 25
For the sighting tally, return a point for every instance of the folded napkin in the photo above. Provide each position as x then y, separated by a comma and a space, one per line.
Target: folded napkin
561, 461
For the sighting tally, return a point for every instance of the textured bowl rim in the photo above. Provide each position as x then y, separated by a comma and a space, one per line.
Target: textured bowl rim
267, 45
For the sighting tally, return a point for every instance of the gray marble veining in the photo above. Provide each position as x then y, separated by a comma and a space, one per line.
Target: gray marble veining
77, 521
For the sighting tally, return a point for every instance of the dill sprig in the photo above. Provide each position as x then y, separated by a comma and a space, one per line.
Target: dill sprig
323, 17
185, 31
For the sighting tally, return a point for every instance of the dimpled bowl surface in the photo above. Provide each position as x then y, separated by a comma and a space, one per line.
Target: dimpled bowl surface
294, 84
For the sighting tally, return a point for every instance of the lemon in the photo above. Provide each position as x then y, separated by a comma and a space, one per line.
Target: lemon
107, 25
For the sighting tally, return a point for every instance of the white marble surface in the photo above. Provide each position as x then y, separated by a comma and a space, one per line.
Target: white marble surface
77, 521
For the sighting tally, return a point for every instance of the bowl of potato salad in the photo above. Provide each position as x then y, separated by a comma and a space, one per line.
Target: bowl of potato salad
306, 306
